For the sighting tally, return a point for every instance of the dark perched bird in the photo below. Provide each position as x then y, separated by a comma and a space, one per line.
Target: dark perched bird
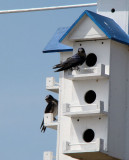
71, 62
52, 107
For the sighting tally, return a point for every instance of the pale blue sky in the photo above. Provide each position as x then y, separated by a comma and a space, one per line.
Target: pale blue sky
23, 72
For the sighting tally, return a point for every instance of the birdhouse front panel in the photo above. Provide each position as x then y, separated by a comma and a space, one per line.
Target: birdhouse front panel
88, 106
97, 52
90, 93
86, 130
65, 96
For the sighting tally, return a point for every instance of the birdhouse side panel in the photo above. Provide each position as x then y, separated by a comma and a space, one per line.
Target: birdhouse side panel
117, 99
100, 49
65, 93
127, 115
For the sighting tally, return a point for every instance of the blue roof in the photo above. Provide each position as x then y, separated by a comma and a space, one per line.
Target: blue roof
54, 45
111, 29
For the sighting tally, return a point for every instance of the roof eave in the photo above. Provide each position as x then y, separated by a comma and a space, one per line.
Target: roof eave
58, 50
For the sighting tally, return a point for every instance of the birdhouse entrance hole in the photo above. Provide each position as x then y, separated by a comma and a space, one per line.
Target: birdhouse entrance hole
90, 96
91, 60
88, 135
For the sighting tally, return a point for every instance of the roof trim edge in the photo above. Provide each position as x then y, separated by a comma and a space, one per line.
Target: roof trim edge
58, 50
74, 24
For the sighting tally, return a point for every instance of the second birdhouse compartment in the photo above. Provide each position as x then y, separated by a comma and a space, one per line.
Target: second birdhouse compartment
97, 54
90, 96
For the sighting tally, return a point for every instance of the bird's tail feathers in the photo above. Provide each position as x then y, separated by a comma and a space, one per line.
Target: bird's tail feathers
57, 66
42, 127
42, 123
61, 69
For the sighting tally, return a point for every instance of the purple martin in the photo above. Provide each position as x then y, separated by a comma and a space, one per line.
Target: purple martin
52, 107
71, 62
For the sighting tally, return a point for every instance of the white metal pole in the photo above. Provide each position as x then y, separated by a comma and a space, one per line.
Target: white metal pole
47, 8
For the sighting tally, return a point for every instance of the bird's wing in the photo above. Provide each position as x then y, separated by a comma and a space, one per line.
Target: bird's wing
49, 108
62, 63
52, 107
70, 59
69, 63
76, 56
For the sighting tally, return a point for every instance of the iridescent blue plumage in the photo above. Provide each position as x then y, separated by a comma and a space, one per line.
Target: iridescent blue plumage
74, 61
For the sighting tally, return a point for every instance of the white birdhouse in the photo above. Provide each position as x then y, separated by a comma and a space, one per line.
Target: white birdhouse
93, 101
